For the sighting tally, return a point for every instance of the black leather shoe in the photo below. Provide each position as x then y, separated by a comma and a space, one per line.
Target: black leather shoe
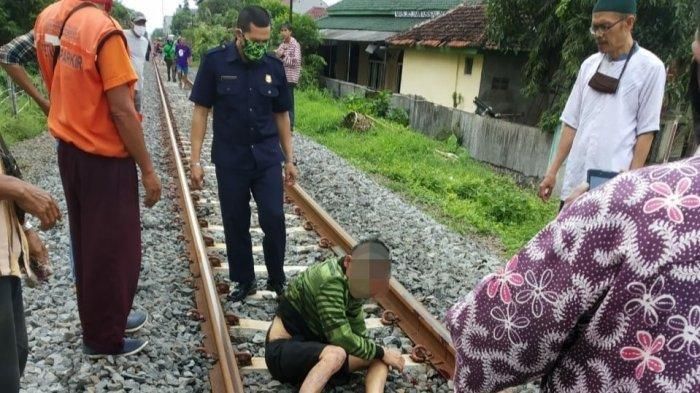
242, 291
275, 286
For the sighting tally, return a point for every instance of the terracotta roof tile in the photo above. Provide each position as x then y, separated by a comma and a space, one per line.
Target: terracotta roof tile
317, 12
461, 27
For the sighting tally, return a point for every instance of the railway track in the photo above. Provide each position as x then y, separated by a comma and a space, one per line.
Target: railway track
234, 333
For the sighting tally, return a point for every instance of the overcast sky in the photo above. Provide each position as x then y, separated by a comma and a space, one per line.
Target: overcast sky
154, 9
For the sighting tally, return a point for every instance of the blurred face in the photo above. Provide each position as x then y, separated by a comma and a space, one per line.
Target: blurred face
140, 27
255, 34
254, 43
611, 30
286, 33
368, 274
105, 4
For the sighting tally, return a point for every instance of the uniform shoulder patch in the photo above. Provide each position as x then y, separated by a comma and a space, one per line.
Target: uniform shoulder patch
217, 49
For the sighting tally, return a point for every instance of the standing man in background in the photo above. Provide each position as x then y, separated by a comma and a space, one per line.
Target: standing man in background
289, 52
169, 57
138, 48
14, 56
248, 91
614, 109
85, 65
184, 59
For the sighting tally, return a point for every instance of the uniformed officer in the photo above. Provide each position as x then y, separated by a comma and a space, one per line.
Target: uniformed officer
247, 89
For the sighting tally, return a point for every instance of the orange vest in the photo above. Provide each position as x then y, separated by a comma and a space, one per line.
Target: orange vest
80, 113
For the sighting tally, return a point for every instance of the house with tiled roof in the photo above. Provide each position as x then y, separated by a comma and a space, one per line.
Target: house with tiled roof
449, 60
307, 7
317, 12
355, 33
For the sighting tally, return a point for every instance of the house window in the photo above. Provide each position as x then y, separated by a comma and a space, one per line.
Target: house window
500, 83
468, 65
376, 74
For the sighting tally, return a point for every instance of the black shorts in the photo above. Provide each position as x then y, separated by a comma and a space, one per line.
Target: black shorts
289, 361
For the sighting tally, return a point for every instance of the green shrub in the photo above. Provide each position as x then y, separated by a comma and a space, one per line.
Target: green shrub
464, 194
357, 103
399, 115
310, 71
203, 38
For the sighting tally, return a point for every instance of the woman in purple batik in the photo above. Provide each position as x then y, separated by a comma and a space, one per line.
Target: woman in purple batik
605, 299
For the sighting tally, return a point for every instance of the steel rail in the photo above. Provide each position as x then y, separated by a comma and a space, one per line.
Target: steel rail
413, 318
225, 376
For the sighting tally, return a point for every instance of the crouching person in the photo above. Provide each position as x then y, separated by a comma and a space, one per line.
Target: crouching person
319, 332
604, 299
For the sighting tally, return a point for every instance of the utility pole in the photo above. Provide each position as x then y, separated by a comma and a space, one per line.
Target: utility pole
291, 10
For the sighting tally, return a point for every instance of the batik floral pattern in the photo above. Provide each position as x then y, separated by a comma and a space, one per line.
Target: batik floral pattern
499, 282
672, 201
603, 299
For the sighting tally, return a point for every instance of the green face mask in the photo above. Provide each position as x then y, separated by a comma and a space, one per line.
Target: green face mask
254, 51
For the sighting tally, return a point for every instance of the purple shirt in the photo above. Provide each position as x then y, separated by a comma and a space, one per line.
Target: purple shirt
182, 53
605, 299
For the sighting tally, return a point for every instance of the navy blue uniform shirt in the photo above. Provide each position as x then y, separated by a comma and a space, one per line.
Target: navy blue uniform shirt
244, 96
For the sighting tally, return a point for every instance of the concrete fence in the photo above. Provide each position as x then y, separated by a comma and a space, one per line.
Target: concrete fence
513, 147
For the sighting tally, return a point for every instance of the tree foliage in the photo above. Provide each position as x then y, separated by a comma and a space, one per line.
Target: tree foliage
214, 22
556, 34
122, 14
17, 17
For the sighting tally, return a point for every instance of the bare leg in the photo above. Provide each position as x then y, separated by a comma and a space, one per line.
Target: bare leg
377, 372
329, 362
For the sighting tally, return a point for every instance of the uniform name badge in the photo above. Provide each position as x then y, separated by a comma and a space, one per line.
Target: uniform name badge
268, 78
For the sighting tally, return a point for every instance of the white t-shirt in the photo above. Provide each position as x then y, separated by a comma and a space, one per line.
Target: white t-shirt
138, 47
607, 125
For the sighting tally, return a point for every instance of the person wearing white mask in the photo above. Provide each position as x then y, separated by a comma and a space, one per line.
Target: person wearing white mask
138, 51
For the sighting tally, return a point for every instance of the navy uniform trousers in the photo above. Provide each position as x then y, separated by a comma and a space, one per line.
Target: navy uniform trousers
235, 188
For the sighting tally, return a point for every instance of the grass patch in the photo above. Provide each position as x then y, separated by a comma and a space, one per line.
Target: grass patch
462, 193
30, 122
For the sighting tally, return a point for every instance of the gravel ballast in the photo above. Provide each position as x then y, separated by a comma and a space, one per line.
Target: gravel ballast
435, 264
56, 362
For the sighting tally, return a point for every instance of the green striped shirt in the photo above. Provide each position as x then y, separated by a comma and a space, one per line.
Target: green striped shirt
321, 296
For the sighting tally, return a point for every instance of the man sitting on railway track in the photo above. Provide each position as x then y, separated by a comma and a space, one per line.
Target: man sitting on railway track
319, 332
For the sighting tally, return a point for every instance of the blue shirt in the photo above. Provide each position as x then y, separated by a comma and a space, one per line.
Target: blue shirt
244, 96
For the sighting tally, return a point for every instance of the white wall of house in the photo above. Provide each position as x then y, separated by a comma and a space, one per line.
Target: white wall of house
436, 74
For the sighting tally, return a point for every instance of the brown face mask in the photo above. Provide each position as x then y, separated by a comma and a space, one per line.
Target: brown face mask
606, 84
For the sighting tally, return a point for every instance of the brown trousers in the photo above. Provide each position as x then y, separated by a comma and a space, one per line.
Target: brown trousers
105, 227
